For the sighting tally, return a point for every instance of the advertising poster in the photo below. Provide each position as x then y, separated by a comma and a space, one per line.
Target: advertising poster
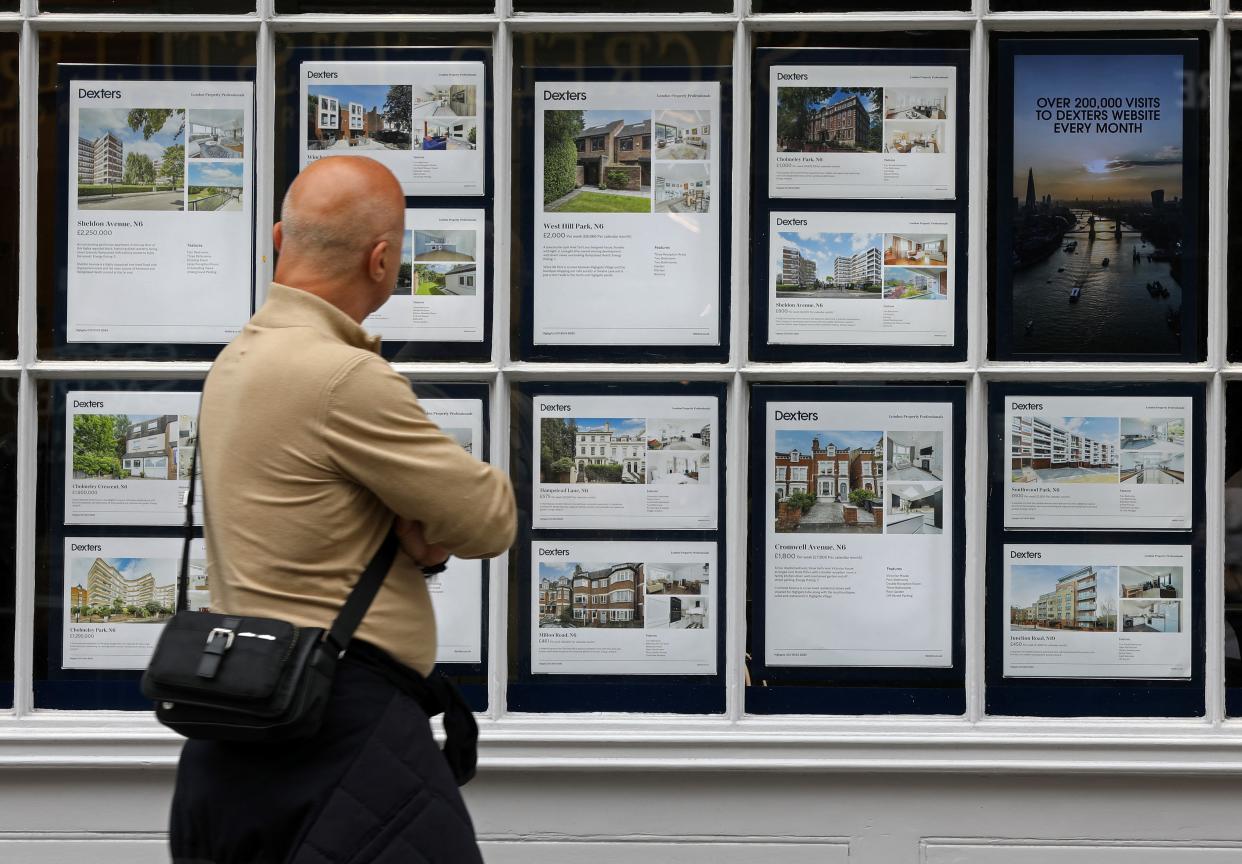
861, 278
1096, 204
118, 593
869, 131
627, 228
457, 593
1081, 462
859, 540
625, 462
423, 120
161, 194
439, 295
623, 608
1096, 611
128, 457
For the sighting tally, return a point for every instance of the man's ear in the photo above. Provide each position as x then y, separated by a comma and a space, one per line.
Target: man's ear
377, 268
278, 236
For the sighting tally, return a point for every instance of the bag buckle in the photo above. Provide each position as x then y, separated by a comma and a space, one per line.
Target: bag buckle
221, 631
209, 663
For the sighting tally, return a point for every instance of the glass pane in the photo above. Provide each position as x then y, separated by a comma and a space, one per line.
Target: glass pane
1234, 250
1095, 5
227, 55
631, 6
105, 583
219, 7
777, 7
8, 533
1233, 546
8, 180
373, 7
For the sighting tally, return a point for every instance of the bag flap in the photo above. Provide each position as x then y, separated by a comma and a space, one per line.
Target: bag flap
250, 668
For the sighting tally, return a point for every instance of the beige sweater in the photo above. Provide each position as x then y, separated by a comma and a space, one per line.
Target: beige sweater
311, 442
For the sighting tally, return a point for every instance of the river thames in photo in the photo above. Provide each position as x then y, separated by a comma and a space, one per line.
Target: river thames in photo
1115, 310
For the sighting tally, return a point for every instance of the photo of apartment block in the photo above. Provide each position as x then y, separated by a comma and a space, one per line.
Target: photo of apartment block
913, 138
216, 133
683, 187
675, 613
122, 590
915, 103
829, 482
828, 119
677, 579
911, 283
348, 118
1151, 616
1081, 598
915, 456
914, 508
1151, 583
829, 266
683, 134
600, 595
592, 450
441, 245
131, 159
1153, 450
916, 250
1063, 450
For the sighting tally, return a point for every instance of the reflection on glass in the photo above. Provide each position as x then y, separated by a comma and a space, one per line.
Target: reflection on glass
8, 180
1233, 536
378, 7
173, 7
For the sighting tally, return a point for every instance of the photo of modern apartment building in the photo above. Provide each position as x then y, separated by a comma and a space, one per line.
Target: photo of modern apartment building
101, 160
1073, 450
855, 271
358, 117
608, 595
1082, 598
796, 269
105, 584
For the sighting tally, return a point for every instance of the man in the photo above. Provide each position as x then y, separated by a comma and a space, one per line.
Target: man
311, 444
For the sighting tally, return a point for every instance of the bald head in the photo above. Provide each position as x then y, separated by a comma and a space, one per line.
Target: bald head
340, 232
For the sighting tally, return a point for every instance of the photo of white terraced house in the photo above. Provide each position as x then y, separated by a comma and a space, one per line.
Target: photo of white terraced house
1056, 450
1153, 450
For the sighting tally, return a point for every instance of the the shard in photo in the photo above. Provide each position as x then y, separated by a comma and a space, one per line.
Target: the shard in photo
1097, 251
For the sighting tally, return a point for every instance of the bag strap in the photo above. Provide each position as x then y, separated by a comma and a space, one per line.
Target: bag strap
356, 605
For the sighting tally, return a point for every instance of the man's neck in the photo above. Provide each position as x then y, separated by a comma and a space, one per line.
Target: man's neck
348, 298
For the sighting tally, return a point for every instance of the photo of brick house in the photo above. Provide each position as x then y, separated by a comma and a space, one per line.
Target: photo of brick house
829, 481
597, 161
828, 119
600, 595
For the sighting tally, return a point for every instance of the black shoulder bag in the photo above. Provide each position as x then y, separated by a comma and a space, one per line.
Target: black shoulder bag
236, 678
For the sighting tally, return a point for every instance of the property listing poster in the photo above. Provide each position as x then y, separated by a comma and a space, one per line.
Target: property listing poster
422, 119
1085, 462
861, 278
623, 608
1097, 611
626, 462
457, 593
118, 593
1095, 210
862, 131
161, 240
439, 295
128, 457
859, 502
627, 221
